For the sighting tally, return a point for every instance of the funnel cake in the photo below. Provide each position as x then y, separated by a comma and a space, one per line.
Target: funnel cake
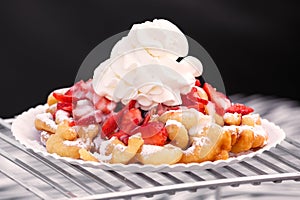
145, 106
190, 132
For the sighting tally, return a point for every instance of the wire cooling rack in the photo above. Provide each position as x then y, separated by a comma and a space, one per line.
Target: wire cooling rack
25, 174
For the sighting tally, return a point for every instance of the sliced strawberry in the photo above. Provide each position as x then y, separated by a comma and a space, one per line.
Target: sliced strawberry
82, 109
109, 126
198, 106
161, 108
158, 139
122, 136
104, 105
220, 100
153, 133
197, 83
240, 108
130, 119
149, 129
72, 123
125, 120
66, 106
131, 104
86, 120
82, 90
193, 100
62, 97
192, 97
99, 117
125, 108
69, 92
146, 119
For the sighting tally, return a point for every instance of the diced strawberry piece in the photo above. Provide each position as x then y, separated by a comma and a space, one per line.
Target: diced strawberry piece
84, 113
122, 136
158, 139
99, 117
69, 92
105, 105
125, 108
240, 108
198, 106
109, 126
72, 123
82, 108
77, 89
83, 90
130, 119
86, 120
146, 119
153, 133
126, 119
131, 104
220, 100
197, 83
193, 100
161, 108
149, 129
66, 106
62, 97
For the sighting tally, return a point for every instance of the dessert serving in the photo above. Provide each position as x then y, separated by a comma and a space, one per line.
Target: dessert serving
147, 105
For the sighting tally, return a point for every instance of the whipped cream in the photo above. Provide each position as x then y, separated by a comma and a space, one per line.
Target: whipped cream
158, 34
143, 66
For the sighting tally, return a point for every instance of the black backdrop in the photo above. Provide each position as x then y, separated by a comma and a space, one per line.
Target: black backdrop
43, 43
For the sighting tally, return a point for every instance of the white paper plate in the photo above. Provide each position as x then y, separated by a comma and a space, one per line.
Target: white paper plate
24, 131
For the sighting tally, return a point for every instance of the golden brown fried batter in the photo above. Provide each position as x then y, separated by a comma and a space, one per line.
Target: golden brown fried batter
44, 122
213, 145
55, 144
87, 156
66, 132
232, 119
244, 141
251, 120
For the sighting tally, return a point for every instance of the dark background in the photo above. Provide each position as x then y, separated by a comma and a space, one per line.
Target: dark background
43, 43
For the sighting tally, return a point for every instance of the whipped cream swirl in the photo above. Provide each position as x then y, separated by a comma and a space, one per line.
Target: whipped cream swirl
143, 66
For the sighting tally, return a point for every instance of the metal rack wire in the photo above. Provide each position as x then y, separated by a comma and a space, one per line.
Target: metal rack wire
25, 174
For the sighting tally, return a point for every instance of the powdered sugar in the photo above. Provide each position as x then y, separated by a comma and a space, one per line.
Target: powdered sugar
44, 137
61, 116
257, 129
120, 147
102, 157
201, 141
174, 122
78, 143
204, 122
48, 119
254, 117
88, 128
230, 115
190, 150
148, 149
